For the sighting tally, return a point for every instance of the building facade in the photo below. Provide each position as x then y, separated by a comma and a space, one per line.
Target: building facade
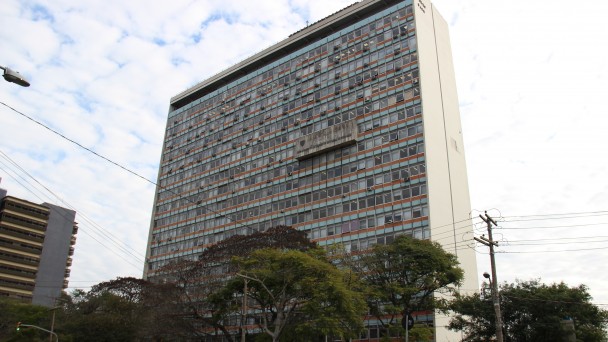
349, 130
36, 245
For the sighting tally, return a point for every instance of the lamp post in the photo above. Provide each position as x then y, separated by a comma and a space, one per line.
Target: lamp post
496, 301
52, 324
39, 328
14, 77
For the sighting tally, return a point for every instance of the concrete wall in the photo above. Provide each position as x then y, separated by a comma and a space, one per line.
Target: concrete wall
51, 271
449, 201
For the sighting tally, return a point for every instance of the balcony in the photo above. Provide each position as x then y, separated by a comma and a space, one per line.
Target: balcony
73, 241
71, 252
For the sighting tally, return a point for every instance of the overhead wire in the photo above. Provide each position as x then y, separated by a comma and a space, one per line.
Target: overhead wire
187, 198
104, 233
27, 188
507, 219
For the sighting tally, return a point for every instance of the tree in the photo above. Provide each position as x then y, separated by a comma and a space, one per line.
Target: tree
192, 283
294, 290
402, 277
532, 311
110, 311
12, 311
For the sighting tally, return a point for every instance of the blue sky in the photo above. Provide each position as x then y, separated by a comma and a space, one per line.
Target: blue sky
532, 81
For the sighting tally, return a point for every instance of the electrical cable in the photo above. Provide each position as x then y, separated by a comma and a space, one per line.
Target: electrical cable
84, 231
106, 234
125, 168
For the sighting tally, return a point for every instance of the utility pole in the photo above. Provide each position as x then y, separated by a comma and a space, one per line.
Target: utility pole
493, 282
244, 311
52, 324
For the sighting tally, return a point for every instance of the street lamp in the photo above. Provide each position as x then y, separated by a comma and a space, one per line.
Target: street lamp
496, 301
15, 77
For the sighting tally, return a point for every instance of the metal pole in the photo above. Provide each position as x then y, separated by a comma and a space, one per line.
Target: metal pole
244, 315
39, 328
52, 325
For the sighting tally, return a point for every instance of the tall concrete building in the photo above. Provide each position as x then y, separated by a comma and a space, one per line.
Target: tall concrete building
36, 245
349, 130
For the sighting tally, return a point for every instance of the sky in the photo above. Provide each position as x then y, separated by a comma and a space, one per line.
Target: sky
532, 79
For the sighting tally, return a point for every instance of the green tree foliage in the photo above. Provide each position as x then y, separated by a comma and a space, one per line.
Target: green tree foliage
403, 276
532, 311
191, 284
12, 311
110, 311
301, 292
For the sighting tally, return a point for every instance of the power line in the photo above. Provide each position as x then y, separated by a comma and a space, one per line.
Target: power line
84, 231
557, 217
549, 300
106, 234
557, 227
564, 238
605, 212
553, 243
125, 168
553, 251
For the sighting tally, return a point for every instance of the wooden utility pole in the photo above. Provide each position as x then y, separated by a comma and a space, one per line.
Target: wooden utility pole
493, 282
244, 311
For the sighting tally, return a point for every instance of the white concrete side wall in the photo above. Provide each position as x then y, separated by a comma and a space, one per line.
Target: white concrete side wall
448, 191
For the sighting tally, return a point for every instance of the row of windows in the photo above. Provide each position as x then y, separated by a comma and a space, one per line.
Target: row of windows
19, 258
263, 178
23, 221
352, 243
240, 167
20, 284
195, 139
25, 234
20, 245
293, 62
306, 215
235, 172
248, 141
38, 212
313, 102
17, 271
193, 121
235, 185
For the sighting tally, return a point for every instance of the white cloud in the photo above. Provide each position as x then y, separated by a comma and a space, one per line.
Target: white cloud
532, 79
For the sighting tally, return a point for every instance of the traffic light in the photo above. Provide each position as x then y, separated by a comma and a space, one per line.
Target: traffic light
18, 326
